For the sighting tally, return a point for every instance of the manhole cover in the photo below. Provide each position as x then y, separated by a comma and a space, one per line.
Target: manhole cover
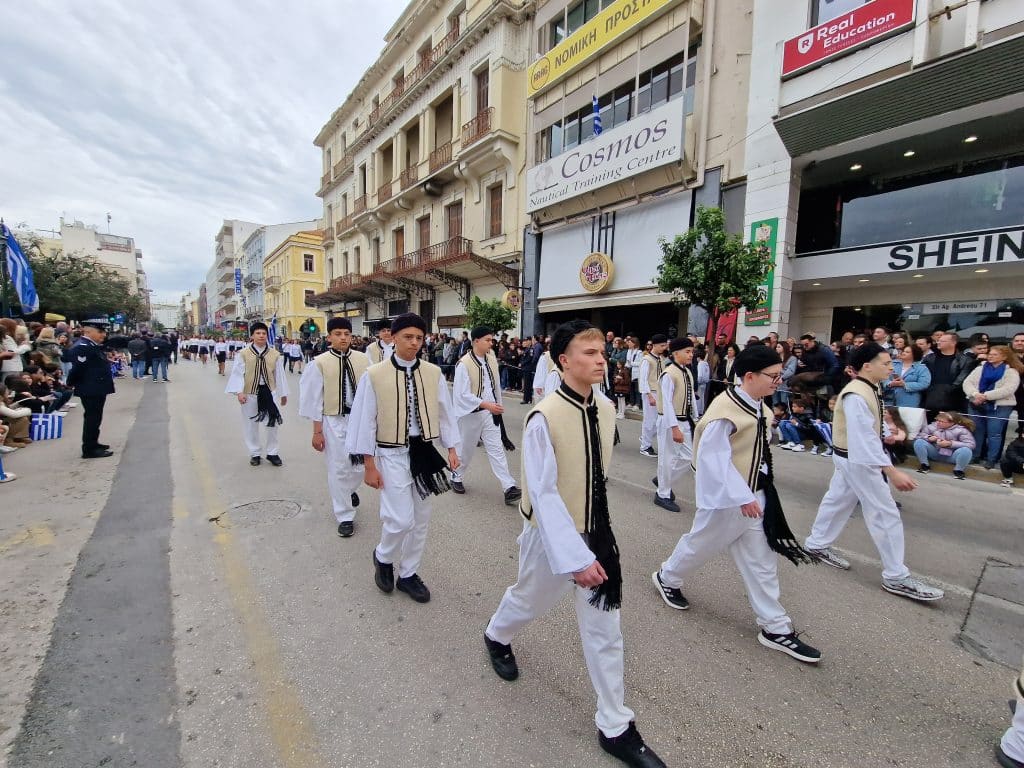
260, 512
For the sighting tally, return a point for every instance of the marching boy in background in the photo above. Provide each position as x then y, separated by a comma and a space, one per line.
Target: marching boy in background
259, 382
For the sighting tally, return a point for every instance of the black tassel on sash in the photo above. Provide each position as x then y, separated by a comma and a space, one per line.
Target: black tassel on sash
499, 422
266, 407
776, 528
608, 595
427, 467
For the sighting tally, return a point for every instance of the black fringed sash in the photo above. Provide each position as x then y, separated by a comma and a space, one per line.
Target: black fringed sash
776, 528
348, 375
505, 440
499, 422
427, 467
608, 595
266, 408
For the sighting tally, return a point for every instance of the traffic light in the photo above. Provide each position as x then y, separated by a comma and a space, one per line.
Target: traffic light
310, 327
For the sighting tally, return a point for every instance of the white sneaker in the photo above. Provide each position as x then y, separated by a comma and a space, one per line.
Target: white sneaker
1007, 482
827, 452
798, 448
71, 405
787, 446
12, 449
828, 556
913, 588
814, 450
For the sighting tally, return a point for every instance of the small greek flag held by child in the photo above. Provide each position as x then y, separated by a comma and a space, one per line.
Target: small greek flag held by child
46, 426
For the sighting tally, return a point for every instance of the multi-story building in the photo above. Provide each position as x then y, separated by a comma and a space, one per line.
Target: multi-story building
421, 165
254, 252
167, 314
637, 114
188, 313
115, 252
224, 295
886, 162
293, 272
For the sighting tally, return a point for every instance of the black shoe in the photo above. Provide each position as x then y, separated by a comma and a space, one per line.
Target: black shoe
629, 747
458, 487
1005, 760
502, 659
924, 469
512, 495
274, 459
654, 482
672, 596
668, 504
649, 452
346, 529
254, 461
959, 474
989, 465
384, 574
98, 453
791, 645
355, 499
103, 447
414, 587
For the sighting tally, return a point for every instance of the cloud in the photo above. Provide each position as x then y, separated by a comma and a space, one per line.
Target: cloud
173, 117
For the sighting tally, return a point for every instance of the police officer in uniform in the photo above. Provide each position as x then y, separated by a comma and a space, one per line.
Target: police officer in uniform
92, 379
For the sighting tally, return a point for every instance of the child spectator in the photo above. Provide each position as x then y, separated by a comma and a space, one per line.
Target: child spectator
1013, 461
781, 414
824, 426
945, 440
895, 435
799, 427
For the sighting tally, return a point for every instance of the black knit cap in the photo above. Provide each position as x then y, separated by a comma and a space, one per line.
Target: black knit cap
259, 325
676, 344
659, 338
563, 334
755, 358
408, 320
339, 322
480, 331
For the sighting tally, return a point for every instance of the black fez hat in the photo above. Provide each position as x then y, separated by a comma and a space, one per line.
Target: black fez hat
259, 325
755, 358
408, 320
339, 322
480, 331
563, 335
676, 344
659, 338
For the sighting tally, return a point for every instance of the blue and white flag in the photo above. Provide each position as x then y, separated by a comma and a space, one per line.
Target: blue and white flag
21, 274
597, 118
272, 331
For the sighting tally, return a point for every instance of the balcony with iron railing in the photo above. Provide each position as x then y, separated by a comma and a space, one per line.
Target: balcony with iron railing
409, 176
432, 256
478, 127
343, 225
384, 192
359, 205
343, 166
272, 284
440, 157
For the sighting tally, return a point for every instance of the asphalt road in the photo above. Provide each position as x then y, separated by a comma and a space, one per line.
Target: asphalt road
285, 653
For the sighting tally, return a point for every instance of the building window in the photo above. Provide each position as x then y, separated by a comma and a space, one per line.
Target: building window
574, 17
826, 10
307, 263
453, 216
356, 265
308, 296
482, 81
668, 80
494, 223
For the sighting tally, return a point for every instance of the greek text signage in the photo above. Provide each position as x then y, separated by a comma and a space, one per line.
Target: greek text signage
238, 282
844, 34
609, 25
639, 145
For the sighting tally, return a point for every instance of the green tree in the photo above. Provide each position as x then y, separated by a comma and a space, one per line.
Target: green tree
490, 313
710, 268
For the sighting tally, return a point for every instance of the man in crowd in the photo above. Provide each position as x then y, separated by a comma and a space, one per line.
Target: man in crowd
1018, 347
949, 368
817, 366
160, 353
93, 381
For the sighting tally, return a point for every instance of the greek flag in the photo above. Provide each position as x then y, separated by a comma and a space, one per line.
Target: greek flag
272, 331
597, 118
21, 274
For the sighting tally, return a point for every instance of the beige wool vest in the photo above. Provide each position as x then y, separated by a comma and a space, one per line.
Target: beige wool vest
566, 420
475, 372
682, 393
375, 352
249, 357
867, 390
654, 371
747, 445
388, 382
330, 369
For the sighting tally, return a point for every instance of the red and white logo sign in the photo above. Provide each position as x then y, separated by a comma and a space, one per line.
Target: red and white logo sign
846, 33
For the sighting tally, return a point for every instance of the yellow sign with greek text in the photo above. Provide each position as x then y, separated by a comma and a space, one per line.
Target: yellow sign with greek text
615, 21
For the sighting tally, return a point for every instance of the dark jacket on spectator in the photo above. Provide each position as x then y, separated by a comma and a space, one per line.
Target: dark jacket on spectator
946, 393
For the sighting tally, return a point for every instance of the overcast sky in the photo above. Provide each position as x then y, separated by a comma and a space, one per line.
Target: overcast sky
174, 116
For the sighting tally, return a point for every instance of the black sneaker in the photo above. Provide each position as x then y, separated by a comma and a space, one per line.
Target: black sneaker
629, 747
458, 487
254, 461
673, 597
384, 574
672, 494
274, 459
649, 452
502, 659
355, 499
959, 474
666, 504
414, 587
346, 529
790, 644
924, 469
512, 495
1005, 760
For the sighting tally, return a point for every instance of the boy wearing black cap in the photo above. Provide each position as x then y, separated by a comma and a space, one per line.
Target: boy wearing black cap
567, 544
259, 382
382, 347
650, 372
737, 506
677, 406
862, 466
402, 410
477, 398
327, 390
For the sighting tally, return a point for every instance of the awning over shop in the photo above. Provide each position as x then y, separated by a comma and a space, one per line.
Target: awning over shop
590, 301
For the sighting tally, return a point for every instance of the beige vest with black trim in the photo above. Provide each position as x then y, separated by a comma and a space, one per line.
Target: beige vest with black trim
476, 380
654, 371
747, 447
330, 369
249, 358
682, 392
840, 438
388, 382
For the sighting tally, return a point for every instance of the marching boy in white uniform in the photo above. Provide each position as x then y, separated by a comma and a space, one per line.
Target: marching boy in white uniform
738, 508
327, 390
567, 544
259, 382
677, 407
650, 373
382, 347
477, 396
862, 467
401, 412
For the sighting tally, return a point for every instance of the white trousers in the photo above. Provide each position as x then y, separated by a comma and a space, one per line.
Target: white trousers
853, 483
717, 530
674, 459
480, 426
650, 424
251, 429
404, 516
343, 478
537, 591
1013, 740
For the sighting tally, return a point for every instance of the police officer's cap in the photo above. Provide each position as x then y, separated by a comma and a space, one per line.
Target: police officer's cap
97, 322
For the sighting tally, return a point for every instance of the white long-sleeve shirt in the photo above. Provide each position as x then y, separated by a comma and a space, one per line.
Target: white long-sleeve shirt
645, 372
719, 483
565, 548
668, 419
311, 393
540, 375
463, 396
362, 435
863, 444
236, 379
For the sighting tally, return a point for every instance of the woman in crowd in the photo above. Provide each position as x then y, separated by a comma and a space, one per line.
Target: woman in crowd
16, 418
781, 396
991, 397
633, 358
910, 378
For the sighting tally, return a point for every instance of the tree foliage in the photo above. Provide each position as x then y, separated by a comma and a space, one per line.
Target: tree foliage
490, 313
78, 287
